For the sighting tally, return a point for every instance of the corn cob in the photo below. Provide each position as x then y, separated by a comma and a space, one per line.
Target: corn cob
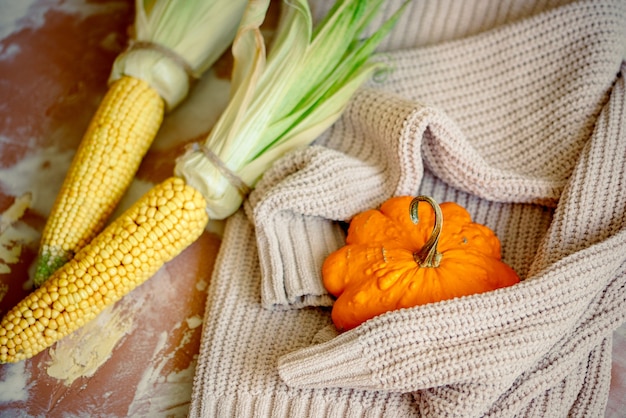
105, 163
154, 230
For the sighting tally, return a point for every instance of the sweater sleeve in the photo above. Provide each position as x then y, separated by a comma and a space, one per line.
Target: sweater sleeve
296, 205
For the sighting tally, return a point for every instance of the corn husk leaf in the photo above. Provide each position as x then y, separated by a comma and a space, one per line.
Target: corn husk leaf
285, 99
197, 31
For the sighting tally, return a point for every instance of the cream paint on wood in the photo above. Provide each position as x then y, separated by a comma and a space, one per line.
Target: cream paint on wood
39, 173
15, 16
31, 14
14, 386
13, 241
14, 235
81, 353
158, 394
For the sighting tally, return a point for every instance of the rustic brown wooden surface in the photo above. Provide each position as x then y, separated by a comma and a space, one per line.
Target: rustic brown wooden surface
55, 59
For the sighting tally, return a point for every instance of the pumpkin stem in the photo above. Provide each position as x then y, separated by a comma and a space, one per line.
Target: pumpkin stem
428, 256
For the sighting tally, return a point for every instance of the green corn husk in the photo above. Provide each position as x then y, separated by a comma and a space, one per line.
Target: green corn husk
197, 31
286, 99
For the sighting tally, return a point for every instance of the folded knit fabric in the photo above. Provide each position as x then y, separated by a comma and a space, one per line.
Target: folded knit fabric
520, 118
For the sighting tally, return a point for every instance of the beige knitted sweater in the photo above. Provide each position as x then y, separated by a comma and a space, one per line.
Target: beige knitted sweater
517, 111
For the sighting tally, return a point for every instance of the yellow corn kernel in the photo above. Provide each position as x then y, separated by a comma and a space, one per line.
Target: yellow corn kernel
105, 163
66, 309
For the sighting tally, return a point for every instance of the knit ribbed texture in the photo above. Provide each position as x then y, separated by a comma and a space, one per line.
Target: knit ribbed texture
236, 375
520, 118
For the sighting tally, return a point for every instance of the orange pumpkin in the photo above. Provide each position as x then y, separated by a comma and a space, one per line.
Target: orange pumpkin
402, 256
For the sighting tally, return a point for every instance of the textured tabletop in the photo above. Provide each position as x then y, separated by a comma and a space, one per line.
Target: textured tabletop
139, 356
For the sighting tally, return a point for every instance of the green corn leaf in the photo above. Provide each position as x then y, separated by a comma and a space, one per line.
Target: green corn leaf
286, 98
196, 31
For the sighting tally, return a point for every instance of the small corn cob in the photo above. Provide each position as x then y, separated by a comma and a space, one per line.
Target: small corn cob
166, 220
105, 163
